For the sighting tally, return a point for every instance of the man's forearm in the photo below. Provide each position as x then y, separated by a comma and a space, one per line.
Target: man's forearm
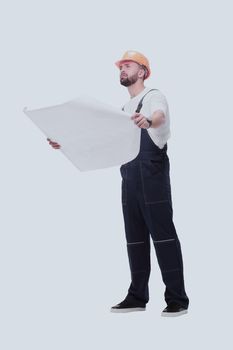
157, 118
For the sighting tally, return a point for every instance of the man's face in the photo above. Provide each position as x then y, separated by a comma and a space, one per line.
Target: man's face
129, 73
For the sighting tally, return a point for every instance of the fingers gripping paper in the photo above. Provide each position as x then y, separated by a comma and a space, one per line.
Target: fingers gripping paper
92, 134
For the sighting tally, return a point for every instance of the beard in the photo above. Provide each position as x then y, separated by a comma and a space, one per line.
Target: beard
127, 81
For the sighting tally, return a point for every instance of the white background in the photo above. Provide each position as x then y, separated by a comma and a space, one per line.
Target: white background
63, 258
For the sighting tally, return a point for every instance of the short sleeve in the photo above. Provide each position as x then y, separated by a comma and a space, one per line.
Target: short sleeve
158, 101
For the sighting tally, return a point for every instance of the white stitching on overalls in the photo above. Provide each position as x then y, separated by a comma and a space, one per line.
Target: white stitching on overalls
164, 240
136, 242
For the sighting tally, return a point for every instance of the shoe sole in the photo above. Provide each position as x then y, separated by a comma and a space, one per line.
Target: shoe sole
174, 314
128, 309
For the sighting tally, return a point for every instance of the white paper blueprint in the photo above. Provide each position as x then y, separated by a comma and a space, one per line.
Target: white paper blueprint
92, 134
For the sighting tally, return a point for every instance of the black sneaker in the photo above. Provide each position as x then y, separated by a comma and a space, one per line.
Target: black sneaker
127, 306
174, 309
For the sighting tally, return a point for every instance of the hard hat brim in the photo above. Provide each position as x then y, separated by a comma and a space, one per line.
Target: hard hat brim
117, 63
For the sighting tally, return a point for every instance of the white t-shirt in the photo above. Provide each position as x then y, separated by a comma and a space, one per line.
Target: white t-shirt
153, 101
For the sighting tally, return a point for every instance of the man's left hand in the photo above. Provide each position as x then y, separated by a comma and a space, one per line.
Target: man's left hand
140, 120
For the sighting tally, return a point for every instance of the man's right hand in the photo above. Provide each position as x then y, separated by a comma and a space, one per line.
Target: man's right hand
53, 144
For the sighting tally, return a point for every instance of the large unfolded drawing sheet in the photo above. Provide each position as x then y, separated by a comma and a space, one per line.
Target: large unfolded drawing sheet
92, 134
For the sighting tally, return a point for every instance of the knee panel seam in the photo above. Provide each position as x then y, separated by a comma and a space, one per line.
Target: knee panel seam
164, 240
135, 242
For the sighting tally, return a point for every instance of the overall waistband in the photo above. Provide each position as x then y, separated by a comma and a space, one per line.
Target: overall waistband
148, 156
152, 154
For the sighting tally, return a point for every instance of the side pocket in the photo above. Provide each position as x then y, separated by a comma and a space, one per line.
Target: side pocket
154, 181
123, 171
123, 192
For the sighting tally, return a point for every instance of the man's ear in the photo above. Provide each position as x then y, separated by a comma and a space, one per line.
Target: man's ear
141, 73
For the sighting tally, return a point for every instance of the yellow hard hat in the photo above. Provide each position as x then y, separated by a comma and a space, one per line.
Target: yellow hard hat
136, 57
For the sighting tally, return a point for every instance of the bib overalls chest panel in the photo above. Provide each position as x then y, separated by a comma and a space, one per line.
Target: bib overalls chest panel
147, 211
148, 172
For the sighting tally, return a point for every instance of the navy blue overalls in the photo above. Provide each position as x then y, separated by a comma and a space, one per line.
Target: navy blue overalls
147, 210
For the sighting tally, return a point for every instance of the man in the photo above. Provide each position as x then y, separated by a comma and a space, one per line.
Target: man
146, 195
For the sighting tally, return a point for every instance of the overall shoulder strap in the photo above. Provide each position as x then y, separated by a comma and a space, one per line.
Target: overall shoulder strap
140, 102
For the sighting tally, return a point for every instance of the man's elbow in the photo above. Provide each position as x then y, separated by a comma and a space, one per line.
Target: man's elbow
158, 118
